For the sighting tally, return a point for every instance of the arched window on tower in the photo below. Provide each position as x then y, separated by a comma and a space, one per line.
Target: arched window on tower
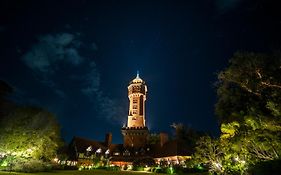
135, 100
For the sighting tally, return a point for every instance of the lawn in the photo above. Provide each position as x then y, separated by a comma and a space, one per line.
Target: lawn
76, 172
94, 172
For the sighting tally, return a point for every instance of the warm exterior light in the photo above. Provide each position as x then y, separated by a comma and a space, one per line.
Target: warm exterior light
98, 150
89, 149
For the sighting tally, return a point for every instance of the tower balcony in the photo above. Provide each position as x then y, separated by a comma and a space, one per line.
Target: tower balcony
134, 128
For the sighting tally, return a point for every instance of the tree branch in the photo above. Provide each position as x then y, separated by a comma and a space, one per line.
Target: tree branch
271, 85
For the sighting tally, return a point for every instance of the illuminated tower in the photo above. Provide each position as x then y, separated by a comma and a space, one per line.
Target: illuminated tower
135, 133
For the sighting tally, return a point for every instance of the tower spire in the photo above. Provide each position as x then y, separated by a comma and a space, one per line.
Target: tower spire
138, 74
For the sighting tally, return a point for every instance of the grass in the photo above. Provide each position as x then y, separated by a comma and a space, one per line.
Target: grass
76, 172
93, 172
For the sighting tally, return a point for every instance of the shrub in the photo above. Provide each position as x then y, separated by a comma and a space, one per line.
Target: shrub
266, 168
138, 168
144, 162
157, 169
113, 168
63, 167
26, 165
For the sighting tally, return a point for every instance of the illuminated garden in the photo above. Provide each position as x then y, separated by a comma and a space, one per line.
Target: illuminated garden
248, 109
140, 87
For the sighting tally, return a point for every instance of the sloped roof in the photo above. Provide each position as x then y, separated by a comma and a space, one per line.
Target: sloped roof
82, 144
170, 148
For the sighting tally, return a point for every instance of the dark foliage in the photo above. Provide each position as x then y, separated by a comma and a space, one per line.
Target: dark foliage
266, 168
142, 162
248, 85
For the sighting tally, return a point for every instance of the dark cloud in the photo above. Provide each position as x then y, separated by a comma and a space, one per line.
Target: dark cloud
50, 50
226, 5
94, 46
91, 81
60, 93
112, 110
57, 63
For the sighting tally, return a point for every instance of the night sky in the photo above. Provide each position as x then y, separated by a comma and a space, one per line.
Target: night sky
76, 58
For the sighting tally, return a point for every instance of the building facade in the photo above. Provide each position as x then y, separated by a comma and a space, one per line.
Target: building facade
136, 145
135, 133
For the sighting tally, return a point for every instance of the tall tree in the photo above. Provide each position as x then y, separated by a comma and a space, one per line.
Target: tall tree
186, 135
249, 111
29, 133
250, 84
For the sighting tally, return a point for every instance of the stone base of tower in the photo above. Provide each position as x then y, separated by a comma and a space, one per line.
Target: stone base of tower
135, 137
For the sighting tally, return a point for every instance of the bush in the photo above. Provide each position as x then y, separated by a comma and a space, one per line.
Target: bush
266, 168
138, 168
144, 162
63, 167
26, 165
113, 168
157, 169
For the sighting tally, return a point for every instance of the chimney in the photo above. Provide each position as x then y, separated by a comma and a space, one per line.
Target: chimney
163, 138
108, 139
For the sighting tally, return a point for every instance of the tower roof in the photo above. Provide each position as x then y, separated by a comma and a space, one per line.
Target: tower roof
137, 79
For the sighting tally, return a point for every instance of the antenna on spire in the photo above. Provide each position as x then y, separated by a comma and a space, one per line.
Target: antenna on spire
138, 74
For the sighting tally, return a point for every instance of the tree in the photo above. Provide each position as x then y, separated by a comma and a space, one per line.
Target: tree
29, 134
249, 112
5, 89
249, 107
5, 104
186, 134
250, 84
208, 153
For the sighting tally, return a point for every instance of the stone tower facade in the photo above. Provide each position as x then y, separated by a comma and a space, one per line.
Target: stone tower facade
135, 132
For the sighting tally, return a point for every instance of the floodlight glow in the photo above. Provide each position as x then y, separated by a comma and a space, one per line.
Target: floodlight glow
98, 150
